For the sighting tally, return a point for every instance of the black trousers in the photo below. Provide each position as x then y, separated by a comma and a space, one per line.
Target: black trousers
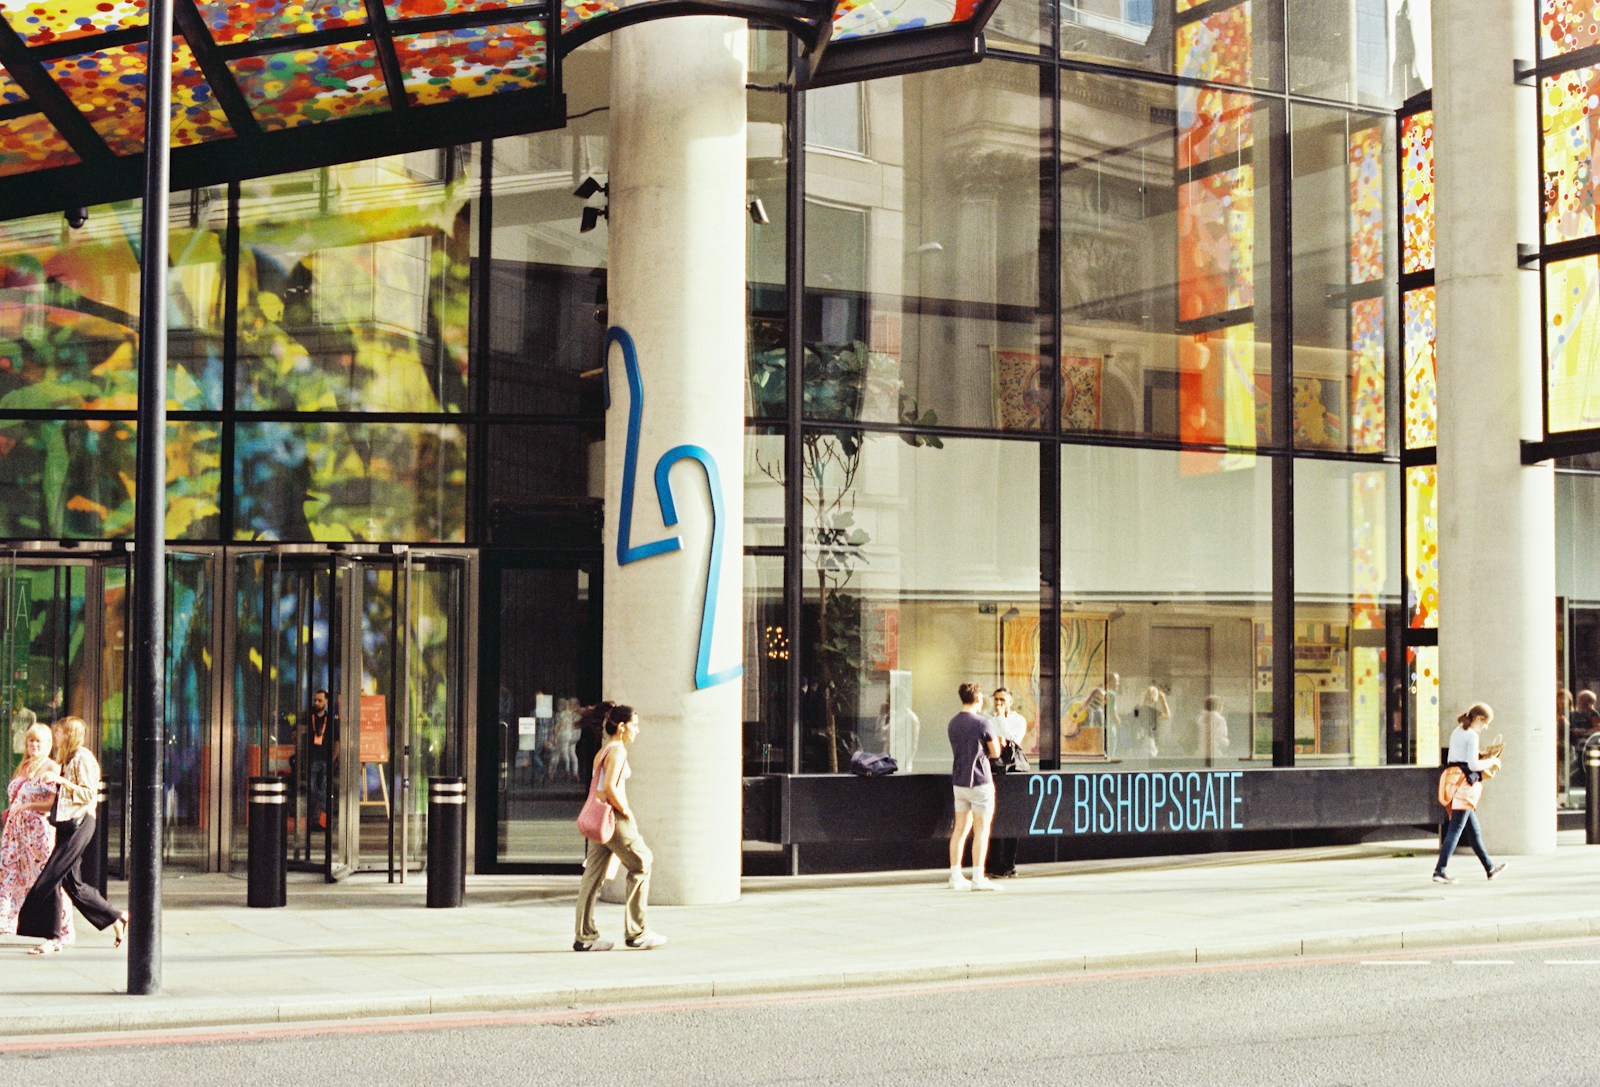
39, 910
1002, 859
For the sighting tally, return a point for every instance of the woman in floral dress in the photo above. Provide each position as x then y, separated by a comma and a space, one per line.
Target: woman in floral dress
29, 837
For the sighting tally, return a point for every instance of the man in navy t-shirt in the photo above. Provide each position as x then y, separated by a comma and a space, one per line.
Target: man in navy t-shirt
973, 742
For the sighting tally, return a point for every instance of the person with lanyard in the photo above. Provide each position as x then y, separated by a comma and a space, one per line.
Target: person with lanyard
1461, 786
322, 729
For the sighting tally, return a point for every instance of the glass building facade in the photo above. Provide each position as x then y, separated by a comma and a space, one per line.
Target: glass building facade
1116, 389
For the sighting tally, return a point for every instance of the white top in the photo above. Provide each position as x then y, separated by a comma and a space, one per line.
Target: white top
1011, 726
1213, 729
1464, 748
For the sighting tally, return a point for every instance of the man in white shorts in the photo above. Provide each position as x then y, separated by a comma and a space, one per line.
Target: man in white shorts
973, 742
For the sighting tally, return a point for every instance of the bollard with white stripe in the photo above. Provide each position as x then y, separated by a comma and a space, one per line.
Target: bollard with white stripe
447, 842
268, 860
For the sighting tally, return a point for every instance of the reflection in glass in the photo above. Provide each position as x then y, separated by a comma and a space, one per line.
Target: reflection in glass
351, 481
1346, 554
913, 555
1165, 250
767, 646
922, 299
354, 287
1372, 52
1167, 586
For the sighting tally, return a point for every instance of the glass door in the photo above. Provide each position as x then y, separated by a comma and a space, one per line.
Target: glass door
539, 664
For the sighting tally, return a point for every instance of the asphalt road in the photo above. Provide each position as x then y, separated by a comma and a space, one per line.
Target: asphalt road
1500, 1015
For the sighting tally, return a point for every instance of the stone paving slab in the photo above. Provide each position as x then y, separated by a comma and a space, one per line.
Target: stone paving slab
370, 949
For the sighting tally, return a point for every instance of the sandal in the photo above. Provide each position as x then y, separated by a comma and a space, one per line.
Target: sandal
119, 929
49, 947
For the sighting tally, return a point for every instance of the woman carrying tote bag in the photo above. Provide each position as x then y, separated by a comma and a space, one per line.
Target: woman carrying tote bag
618, 727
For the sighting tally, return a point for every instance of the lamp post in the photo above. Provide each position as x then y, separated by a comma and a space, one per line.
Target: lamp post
148, 659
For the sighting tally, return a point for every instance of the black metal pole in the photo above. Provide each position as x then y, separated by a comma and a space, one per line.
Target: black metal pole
1591, 760
148, 659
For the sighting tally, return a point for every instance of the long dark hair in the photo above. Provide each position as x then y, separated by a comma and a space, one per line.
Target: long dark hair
605, 719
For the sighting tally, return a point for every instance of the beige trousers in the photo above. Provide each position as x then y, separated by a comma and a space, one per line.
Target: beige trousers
629, 848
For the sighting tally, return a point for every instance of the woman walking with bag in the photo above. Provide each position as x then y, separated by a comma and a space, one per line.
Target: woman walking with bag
618, 727
29, 838
1461, 786
77, 786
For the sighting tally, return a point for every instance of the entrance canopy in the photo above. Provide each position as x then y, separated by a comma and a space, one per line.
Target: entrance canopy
270, 86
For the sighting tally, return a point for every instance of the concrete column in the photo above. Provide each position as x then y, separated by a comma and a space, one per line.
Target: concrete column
1496, 517
677, 288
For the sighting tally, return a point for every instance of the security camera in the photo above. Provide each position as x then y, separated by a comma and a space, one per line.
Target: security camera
76, 217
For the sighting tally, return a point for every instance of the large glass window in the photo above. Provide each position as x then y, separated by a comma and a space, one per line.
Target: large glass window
354, 286
1227, 41
916, 558
1374, 52
1347, 584
922, 254
1342, 270
546, 274
1166, 583
1166, 257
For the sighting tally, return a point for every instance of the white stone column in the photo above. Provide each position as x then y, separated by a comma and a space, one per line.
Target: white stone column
1496, 517
677, 287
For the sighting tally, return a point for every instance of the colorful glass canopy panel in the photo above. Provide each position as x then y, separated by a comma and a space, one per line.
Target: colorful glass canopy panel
9, 91
31, 142
248, 20
41, 22
1566, 26
108, 87
575, 13
453, 64
421, 9
308, 86
863, 18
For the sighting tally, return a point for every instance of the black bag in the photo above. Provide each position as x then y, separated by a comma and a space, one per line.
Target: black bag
871, 764
1011, 760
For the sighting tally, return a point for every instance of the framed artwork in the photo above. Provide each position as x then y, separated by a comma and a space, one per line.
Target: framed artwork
1021, 381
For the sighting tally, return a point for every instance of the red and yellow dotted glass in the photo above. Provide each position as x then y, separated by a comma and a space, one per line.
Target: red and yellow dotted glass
1416, 192
473, 62
109, 88
31, 143
1568, 25
43, 21
248, 20
310, 86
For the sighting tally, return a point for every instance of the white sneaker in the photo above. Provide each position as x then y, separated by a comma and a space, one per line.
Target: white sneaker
646, 940
959, 882
983, 883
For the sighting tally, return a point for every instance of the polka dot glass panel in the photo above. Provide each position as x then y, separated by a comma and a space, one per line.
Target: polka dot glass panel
1569, 111
474, 62
9, 91
1366, 204
419, 9
1217, 46
1568, 25
575, 13
32, 143
1572, 336
1422, 393
1422, 546
109, 88
864, 18
1416, 192
247, 20
1367, 422
46, 21
310, 86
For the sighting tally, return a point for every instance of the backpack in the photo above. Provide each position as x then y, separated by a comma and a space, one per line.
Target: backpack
870, 764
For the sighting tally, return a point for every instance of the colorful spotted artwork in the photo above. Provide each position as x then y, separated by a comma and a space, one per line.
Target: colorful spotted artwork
1217, 387
1216, 243
1416, 192
453, 64
39, 22
1422, 546
1213, 123
1566, 26
31, 142
9, 91
1369, 571
234, 21
864, 18
1572, 333
1423, 670
575, 13
422, 9
1569, 109
1368, 432
108, 87
1421, 388
310, 86
1366, 204
1217, 47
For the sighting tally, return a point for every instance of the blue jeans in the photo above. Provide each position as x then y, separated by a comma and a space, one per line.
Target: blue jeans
1463, 824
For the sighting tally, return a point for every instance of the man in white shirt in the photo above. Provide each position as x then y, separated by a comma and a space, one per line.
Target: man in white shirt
1012, 728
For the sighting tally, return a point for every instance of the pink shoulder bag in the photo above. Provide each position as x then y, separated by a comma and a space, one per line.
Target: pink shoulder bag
597, 820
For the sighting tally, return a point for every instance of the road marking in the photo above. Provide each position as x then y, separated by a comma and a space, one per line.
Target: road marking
1484, 962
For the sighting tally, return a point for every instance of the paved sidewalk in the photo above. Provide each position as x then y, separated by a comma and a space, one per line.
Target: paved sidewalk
365, 948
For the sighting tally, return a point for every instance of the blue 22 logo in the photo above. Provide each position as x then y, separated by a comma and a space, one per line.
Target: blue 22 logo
626, 551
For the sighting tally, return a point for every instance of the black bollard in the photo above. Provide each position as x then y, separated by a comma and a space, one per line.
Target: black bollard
268, 860
447, 842
1591, 758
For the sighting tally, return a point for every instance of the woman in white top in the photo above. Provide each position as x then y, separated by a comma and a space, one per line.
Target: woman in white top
618, 728
77, 788
1462, 782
